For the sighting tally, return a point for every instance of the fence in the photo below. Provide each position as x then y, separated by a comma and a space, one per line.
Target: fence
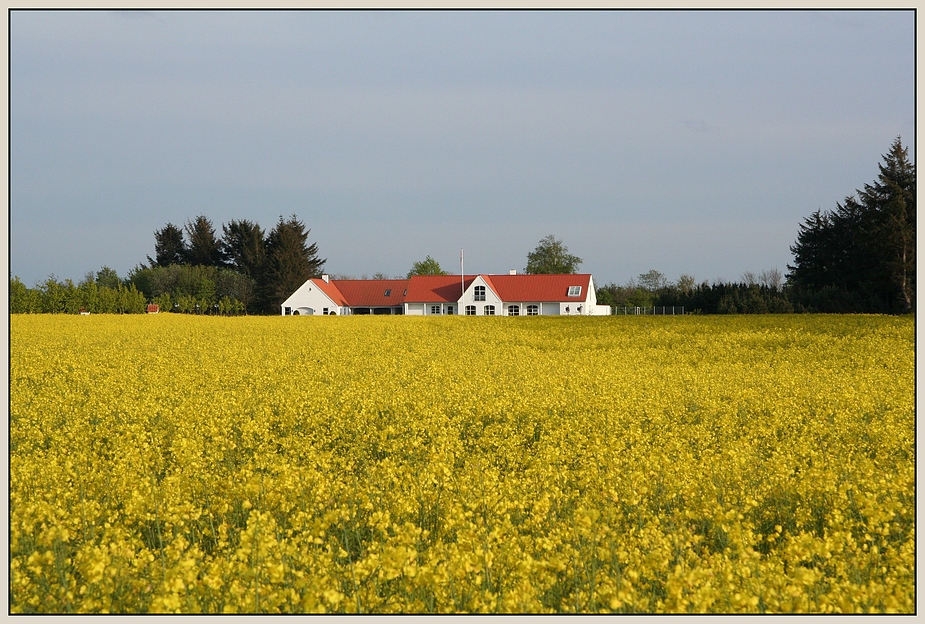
637, 310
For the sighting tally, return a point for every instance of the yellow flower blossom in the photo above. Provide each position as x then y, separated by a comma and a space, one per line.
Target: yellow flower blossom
168, 463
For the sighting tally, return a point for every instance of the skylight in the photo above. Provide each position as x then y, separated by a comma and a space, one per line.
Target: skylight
574, 291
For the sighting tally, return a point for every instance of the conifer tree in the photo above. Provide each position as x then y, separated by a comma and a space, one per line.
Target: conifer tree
243, 247
891, 203
861, 256
169, 246
203, 248
290, 261
812, 252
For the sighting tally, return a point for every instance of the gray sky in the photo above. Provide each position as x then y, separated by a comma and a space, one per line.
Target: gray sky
687, 142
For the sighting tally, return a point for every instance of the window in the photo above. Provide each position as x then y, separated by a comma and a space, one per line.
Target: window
324, 311
470, 310
574, 291
513, 310
449, 310
489, 310
388, 292
435, 309
480, 293
288, 311
533, 310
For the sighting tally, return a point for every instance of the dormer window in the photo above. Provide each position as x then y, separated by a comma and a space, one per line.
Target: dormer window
574, 291
388, 291
480, 293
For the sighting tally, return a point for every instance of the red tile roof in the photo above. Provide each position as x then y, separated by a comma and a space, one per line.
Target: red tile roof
437, 288
449, 288
516, 288
331, 290
371, 293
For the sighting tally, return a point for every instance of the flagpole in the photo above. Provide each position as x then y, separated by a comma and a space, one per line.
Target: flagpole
462, 276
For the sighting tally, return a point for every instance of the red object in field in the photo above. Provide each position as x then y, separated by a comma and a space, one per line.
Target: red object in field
153, 308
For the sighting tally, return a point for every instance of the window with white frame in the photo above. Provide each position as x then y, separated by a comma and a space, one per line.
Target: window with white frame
470, 310
480, 293
533, 310
489, 310
435, 309
513, 310
449, 310
574, 291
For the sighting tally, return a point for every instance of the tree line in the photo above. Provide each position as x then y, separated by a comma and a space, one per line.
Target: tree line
753, 294
101, 293
194, 270
859, 257
245, 270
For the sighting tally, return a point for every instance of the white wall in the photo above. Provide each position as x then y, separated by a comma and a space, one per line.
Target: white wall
418, 309
309, 297
468, 298
573, 308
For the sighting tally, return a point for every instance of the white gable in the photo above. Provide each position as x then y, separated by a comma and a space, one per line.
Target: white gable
308, 299
481, 298
482, 289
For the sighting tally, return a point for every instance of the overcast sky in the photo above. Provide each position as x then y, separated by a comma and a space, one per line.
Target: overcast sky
690, 142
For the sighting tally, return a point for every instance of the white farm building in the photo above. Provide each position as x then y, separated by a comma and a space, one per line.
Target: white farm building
471, 295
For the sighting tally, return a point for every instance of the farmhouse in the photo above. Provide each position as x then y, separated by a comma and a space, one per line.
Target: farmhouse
471, 295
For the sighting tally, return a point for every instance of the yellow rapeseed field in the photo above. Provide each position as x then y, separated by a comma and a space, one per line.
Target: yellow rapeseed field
172, 463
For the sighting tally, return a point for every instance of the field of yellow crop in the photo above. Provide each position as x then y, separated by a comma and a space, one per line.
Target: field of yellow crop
172, 463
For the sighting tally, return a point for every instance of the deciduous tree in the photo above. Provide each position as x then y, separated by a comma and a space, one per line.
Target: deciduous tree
652, 281
107, 278
427, 266
551, 256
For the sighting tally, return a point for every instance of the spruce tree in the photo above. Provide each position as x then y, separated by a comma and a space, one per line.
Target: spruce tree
203, 249
243, 247
890, 202
290, 261
861, 256
169, 247
812, 253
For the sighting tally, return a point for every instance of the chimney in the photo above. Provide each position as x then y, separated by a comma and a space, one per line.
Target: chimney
326, 278
512, 272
